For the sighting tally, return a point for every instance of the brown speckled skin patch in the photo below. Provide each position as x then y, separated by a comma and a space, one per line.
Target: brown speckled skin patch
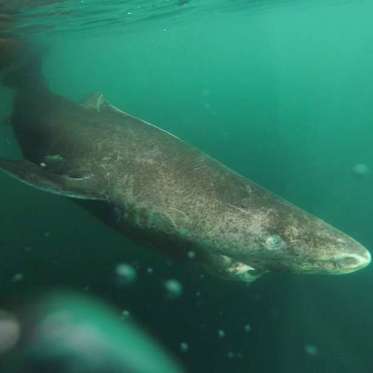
172, 195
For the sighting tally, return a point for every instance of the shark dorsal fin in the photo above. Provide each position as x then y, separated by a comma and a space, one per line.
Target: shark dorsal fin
95, 101
98, 102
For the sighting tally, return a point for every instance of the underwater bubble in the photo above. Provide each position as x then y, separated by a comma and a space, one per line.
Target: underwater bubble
126, 314
360, 169
247, 328
17, 277
191, 254
174, 288
126, 273
9, 331
184, 347
221, 333
311, 350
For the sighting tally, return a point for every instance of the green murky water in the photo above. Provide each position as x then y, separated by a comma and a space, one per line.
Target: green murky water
281, 92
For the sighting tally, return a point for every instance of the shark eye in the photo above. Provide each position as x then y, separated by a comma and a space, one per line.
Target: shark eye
275, 242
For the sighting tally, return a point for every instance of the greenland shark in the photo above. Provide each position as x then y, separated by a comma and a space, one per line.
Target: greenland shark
162, 190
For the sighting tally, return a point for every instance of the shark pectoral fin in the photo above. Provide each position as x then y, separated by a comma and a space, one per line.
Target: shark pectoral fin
230, 269
40, 178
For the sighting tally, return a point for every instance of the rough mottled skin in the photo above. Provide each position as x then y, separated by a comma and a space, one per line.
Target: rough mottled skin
169, 193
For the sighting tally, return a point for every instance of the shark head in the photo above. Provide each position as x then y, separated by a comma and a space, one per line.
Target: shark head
310, 245
285, 238
293, 240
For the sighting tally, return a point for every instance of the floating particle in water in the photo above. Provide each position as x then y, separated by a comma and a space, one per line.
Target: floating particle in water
150, 270
247, 328
9, 331
42, 164
257, 297
47, 234
274, 313
230, 355
198, 293
174, 288
361, 169
221, 333
126, 273
17, 277
311, 350
184, 347
126, 314
191, 254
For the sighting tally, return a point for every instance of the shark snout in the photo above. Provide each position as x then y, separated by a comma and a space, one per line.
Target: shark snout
351, 262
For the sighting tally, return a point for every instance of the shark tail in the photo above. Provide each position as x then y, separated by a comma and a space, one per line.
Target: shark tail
20, 64
9, 51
